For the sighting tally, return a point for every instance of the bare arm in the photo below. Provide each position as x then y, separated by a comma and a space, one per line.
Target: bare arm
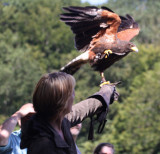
8, 126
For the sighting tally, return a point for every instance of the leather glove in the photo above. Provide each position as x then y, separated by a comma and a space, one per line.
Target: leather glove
107, 94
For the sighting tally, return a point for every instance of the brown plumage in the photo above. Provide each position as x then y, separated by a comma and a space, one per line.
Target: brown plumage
101, 34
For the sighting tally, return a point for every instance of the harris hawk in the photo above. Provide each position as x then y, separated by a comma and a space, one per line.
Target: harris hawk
102, 35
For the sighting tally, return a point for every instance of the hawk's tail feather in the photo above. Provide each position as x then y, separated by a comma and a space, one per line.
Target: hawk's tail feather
74, 65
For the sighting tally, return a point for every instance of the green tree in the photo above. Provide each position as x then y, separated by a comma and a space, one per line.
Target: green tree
32, 39
19, 73
137, 124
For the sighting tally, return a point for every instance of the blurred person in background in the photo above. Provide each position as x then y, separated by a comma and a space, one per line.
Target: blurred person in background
10, 139
75, 132
104, 148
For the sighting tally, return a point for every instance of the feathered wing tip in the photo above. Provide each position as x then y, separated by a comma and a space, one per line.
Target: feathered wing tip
80, 19
106, 8
85, 9
127, 22
135, 24
128, 28
89, 10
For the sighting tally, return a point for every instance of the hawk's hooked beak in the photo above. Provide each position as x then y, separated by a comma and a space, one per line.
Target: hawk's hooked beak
135, 49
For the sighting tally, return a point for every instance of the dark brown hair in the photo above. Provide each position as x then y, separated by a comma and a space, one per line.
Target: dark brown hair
101, 145
51, 94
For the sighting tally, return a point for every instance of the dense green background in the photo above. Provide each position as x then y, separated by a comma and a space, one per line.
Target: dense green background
34, 41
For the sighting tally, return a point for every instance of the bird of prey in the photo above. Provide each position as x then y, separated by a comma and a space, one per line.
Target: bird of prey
102, 35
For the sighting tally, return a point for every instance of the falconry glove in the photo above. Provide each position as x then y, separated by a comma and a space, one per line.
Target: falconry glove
107, 95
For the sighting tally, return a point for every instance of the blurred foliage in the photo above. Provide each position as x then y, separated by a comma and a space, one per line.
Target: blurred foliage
33, 41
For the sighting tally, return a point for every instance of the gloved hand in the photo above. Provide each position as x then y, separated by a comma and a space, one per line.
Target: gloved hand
107, 94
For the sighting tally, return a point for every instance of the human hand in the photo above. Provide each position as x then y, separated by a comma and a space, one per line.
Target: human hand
109, 92
24, 113
25, 110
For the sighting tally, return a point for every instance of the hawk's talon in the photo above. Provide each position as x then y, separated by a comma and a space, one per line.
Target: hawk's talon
107, 52
103, 83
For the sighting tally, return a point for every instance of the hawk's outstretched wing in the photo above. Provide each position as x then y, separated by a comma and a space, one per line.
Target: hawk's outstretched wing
88, 22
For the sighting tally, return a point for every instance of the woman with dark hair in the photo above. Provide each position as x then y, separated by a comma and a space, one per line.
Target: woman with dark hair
48, 131
104, 148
